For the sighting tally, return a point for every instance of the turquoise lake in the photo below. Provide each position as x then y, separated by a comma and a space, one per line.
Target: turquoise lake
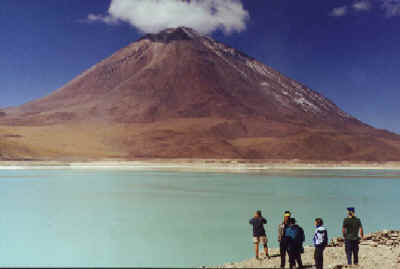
149, 219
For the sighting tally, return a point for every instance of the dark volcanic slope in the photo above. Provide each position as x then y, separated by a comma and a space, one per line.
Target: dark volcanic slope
179, 74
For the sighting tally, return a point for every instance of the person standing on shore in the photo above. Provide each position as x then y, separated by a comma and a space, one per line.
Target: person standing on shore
295, 236
259, 235
351, 227
320, 241
281, 237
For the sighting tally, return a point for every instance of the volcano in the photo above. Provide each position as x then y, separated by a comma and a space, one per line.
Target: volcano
178, 94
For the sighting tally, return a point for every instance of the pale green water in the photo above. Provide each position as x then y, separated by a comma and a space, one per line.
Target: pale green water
126, 218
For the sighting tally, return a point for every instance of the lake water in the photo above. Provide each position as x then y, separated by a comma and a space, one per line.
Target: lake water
148, 218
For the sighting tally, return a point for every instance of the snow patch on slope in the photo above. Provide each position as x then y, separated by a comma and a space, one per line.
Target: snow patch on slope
191, 32
220, 49
309, 100
306, 104
289, 91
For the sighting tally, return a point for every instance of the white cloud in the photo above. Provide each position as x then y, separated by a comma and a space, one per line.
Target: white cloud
391, 7
101, 18
152, 16
339, 11
362, 5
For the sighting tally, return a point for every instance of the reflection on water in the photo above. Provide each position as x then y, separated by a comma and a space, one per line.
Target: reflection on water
131, 218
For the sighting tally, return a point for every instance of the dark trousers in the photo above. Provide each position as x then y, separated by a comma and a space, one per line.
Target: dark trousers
283, 250
319, 256
295, 256
352, 247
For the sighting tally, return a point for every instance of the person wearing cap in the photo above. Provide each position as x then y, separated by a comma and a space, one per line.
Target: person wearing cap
351, 227
259, 235
320, 241
295, 236
283, 241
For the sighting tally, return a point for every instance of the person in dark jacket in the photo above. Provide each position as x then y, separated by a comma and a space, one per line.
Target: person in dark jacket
295, 236
281, 237
259, 235
351, 227
320, 241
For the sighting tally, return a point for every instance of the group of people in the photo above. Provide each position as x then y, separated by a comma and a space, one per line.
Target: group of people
291, 238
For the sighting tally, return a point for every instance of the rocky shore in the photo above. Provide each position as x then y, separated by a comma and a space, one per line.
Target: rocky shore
384, 238
380, 250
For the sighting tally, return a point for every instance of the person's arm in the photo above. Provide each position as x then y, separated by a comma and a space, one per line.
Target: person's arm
344, 228
251, 221
361, 230
325, 238
264, 221
315, 238
279, 232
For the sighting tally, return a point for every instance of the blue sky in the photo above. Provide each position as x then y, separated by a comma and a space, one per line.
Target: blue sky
347, 50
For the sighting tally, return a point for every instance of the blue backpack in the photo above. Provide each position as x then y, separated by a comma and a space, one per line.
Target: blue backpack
295, 234
291, 232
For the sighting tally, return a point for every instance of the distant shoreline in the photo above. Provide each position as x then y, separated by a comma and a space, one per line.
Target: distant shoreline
222, 165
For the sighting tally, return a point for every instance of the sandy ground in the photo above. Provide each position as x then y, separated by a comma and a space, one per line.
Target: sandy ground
334, 257
195, 165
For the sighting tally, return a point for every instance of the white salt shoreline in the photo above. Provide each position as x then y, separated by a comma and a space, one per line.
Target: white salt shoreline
196, 165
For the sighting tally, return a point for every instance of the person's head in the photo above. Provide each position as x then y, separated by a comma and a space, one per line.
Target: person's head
258, 213
286, 217
319, 222
292, 221
350, 211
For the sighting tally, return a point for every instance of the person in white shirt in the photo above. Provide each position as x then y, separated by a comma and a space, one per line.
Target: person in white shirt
320, 241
